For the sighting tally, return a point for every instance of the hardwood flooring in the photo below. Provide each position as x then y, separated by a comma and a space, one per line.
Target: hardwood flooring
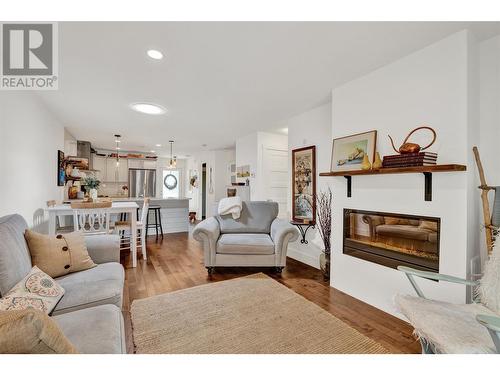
176, 262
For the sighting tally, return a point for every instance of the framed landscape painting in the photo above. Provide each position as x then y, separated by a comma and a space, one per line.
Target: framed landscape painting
348, 152
304, 185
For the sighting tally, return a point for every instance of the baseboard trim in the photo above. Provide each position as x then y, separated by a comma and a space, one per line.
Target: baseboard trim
304, 258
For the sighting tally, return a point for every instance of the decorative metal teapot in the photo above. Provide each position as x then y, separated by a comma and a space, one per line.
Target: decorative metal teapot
410, 148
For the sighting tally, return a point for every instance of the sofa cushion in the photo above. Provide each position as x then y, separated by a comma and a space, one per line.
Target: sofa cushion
36, 290
403, 231
256, 217
15, 261
100, 285
59, 255
97, 330
245, 243
31, 331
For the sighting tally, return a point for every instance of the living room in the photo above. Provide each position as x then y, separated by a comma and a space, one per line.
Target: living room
276, 187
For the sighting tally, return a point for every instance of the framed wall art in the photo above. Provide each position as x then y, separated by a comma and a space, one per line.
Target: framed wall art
304, 185
348, 152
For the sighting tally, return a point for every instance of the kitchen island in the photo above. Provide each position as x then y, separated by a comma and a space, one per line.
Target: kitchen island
174, 212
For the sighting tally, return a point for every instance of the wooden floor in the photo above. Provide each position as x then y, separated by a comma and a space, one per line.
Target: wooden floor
177, 263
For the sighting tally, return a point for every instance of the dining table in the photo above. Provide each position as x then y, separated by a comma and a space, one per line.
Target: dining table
116, 208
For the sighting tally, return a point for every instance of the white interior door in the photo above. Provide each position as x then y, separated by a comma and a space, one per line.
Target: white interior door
275, 167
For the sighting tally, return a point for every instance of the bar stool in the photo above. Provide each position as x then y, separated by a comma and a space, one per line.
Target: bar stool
157, 223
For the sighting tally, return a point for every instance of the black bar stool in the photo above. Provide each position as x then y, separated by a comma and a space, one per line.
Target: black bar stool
157, 223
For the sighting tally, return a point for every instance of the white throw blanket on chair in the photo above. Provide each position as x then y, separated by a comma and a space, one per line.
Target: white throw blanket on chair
231, 205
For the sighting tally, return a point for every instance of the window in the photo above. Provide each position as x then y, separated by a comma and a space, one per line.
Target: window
171, 183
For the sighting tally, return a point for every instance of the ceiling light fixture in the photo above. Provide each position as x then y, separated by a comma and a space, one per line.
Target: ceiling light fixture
155, 54
158, 145
148, 108
173, 159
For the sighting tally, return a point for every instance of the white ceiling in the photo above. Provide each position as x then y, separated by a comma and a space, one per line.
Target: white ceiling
218, 80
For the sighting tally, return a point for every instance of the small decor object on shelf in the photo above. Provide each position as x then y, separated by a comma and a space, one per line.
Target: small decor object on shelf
418, 159
377, 164
366, 165
348, 152
91, 184
325, 229
304, 184
412, 148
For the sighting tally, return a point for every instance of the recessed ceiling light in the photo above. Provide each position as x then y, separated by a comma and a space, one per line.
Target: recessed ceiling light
158, 145
148, 108
155, 54
153, 151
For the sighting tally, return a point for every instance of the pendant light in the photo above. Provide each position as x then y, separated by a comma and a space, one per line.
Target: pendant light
117, 147
173, 159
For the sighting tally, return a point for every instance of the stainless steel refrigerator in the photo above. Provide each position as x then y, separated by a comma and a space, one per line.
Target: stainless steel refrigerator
141, 183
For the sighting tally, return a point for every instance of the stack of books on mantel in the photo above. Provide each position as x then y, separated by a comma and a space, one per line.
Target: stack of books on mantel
418, 159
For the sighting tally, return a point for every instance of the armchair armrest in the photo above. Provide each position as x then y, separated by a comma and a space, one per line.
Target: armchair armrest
282, 232
410, 272
208, 232
492, 323
373, 222
103, 248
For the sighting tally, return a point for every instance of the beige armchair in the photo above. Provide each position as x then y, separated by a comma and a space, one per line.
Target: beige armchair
257, 239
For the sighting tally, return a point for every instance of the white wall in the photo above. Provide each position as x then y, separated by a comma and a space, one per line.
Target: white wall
30, 137
219, 161
489, 94
247, 154
223, 160
310, 128
430, 87
249, 151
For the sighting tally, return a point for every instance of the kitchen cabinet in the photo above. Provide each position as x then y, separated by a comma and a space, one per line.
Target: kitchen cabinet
107, 169
142, 164
99, 163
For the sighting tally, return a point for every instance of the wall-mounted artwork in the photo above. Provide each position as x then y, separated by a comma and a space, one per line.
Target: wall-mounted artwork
304, 184
243, 171
193, 179
348, 152
61, 173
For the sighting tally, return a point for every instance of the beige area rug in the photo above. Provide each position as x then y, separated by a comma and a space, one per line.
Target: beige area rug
253, 314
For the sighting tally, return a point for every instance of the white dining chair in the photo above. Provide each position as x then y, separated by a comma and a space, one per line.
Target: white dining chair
91, 218
122, 227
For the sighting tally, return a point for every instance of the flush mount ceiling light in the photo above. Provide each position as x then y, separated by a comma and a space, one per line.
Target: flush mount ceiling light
158, 145
155, 54
148, 108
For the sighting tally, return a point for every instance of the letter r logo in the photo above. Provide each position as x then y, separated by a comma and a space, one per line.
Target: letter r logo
27, 49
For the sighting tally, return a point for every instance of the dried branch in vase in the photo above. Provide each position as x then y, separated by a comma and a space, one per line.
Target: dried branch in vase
324, 206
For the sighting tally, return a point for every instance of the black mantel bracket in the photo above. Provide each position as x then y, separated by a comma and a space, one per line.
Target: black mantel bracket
427, 186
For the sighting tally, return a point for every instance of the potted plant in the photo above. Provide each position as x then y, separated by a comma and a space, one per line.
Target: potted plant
91, 184
324, 207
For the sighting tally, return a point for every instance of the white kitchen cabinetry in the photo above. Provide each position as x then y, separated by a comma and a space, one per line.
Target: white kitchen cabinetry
99, 163
142, 164
107, 169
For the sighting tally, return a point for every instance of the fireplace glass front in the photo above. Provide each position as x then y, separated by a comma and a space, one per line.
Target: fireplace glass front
392, 239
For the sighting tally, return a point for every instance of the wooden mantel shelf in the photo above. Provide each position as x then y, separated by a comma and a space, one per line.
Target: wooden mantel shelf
427, 170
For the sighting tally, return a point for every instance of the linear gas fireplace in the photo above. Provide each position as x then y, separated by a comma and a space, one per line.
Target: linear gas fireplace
392, 240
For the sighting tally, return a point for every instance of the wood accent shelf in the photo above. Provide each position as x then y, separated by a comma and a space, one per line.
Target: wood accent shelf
427, 170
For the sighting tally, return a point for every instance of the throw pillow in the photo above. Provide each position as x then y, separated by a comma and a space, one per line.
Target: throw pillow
36, 291
59, 255
31, 332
